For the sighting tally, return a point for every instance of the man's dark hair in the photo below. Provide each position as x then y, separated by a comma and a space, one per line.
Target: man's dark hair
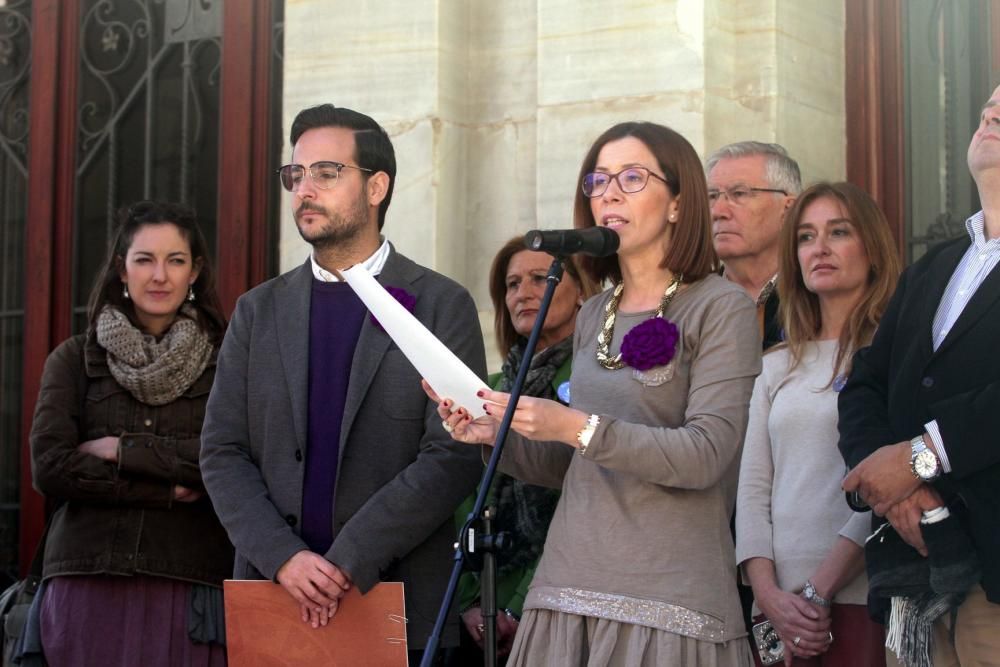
373, 149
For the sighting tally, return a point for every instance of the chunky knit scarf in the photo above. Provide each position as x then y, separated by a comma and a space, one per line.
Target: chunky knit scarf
523, 509
154, 371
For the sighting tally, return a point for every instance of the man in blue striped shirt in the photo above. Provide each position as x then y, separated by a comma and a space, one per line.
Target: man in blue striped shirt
920, 426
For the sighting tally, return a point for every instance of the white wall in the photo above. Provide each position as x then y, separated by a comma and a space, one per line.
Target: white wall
491, 106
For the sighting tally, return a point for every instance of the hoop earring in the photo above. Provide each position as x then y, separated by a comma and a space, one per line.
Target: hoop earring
125, 291
191, 293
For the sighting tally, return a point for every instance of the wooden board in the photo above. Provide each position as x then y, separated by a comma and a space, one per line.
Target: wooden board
264, 628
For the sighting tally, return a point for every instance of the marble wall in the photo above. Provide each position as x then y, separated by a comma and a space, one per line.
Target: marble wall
491, 106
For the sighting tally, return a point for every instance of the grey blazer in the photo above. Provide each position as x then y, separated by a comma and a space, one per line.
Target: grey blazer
400, 476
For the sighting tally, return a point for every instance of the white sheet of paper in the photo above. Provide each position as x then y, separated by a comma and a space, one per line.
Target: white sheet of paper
444, 371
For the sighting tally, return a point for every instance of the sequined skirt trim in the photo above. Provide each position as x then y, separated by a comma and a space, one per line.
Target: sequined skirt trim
624, 609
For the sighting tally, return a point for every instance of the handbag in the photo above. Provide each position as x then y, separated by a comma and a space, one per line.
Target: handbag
15, 602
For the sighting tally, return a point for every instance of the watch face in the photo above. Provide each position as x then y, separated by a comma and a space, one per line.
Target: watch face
925, 464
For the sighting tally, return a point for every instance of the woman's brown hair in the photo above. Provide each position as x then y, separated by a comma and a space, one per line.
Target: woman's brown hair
690, 252
503, 326
107, 289
799, 308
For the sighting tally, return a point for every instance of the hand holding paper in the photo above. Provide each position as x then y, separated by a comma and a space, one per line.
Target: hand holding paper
444, 371
461, 425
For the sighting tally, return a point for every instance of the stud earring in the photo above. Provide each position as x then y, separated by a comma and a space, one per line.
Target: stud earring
125, 291
672, 217
191, 293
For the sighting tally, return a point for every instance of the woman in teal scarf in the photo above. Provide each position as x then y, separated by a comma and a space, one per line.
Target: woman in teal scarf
517, 283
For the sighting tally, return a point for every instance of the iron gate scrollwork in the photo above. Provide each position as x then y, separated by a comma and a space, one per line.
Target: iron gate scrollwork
15, 70
947, 65
147, 116
15, 66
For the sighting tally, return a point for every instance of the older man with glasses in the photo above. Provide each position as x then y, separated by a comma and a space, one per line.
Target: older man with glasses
750, 186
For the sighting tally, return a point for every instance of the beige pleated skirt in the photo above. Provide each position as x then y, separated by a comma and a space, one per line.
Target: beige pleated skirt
548, 638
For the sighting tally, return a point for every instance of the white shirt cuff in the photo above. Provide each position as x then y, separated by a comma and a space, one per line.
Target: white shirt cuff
935, 433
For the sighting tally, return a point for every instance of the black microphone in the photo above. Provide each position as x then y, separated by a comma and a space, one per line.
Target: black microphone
596, 241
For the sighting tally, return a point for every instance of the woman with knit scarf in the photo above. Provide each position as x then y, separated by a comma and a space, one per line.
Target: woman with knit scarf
797, 541
134, 555
517, 283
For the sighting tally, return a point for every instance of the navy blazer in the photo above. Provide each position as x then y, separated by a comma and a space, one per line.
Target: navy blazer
900, 383
400, 475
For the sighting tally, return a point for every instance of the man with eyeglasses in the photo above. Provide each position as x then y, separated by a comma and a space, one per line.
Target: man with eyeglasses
324, 458
750, 186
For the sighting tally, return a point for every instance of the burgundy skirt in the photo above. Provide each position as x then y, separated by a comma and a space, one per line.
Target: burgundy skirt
106, 620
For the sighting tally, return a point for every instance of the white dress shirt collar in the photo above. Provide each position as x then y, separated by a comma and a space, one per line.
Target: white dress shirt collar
373, 264
976, 226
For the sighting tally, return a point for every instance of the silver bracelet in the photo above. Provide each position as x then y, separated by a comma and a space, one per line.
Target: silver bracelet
587, 432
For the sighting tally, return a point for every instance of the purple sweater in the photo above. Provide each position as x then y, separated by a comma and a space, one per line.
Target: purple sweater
335, 318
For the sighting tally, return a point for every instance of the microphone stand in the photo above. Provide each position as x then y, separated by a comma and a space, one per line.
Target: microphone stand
476, 535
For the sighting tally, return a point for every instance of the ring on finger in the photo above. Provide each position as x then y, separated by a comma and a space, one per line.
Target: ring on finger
797, 640
447, 427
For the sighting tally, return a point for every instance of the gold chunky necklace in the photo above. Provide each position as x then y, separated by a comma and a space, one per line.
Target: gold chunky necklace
608, 330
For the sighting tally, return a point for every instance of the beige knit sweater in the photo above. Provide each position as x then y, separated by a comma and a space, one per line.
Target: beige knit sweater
790, 507
641, 533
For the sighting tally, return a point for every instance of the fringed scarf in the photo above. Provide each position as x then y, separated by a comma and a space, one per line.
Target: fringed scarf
919, 590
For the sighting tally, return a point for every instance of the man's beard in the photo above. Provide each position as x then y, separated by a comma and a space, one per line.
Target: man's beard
337, 230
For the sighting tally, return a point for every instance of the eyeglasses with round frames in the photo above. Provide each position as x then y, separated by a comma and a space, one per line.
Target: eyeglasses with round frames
323, 174
739, 195
630, 181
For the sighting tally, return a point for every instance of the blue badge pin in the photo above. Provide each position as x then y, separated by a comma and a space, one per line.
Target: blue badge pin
562, 391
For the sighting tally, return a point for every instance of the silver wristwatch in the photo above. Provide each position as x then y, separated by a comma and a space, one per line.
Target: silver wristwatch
810, 595
924, 463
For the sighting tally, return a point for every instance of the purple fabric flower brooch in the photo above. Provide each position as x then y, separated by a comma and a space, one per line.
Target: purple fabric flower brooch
649, 344
405, 299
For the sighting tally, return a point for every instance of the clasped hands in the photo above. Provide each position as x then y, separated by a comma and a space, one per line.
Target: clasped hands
534, 418
316, 584
886, 483
804, 627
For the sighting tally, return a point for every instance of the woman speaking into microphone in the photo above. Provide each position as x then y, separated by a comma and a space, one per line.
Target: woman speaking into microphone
638, 566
